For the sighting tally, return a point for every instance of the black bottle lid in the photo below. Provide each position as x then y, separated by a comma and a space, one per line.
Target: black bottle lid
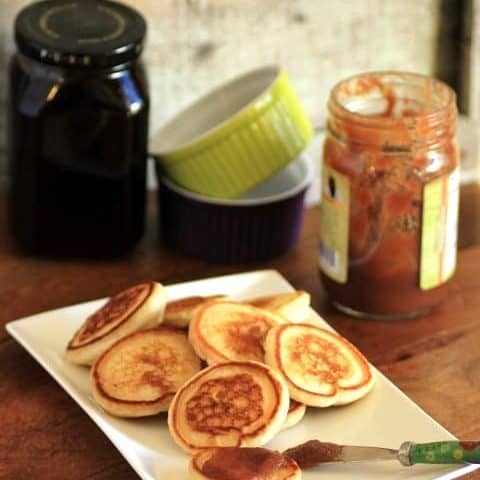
80, 33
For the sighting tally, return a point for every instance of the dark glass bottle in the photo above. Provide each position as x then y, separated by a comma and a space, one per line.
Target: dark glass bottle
77, 129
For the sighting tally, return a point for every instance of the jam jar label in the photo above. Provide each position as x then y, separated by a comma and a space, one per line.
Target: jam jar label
334, 219
439, 230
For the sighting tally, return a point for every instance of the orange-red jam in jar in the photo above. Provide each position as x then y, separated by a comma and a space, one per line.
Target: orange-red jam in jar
390, 183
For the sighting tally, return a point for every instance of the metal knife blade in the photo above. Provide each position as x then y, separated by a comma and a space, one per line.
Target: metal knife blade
314, 452
360, 454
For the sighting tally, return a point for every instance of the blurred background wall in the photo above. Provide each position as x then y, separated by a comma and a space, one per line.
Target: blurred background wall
471, 64
195, 44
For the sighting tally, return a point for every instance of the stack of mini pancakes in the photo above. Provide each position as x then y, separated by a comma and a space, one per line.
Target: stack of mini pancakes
229, 373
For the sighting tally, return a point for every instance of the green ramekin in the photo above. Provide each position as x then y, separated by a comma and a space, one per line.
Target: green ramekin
235, 137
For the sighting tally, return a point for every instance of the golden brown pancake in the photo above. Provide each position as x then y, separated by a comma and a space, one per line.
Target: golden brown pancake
321, 368
296, 411
233, 463
294, 306
179, 312
140, 374
223, 331
229, 404
136, 308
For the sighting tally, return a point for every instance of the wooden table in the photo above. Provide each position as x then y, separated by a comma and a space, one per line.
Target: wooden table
435, 360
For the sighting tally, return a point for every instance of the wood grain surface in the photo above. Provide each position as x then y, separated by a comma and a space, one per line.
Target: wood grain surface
435, 360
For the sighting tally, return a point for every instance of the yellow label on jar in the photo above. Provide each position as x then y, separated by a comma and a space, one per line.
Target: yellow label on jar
334, 217
439, 230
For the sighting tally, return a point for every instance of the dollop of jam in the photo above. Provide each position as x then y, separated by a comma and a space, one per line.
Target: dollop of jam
313, 452
233, 463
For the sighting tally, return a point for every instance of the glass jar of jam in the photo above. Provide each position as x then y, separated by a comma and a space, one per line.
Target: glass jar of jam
77, 128
390, 181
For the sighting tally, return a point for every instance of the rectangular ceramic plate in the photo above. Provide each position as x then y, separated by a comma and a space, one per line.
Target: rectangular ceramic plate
385, 417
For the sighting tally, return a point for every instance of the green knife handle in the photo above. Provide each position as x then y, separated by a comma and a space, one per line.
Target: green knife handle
445, 452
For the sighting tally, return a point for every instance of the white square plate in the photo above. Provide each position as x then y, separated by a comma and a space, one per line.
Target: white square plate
385, 417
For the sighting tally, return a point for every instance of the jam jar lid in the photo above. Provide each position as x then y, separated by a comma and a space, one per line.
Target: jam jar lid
80, 33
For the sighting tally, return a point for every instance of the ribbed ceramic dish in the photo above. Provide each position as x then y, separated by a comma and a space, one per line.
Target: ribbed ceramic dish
235, 137
263, 224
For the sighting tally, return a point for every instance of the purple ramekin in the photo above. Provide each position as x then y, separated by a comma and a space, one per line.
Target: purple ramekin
261, 225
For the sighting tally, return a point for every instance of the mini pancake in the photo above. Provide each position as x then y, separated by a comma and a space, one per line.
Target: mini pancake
139, 375
233, 463
232, 404
320, 368
296, 411
136, 308
179, 312
294, 306
223, 331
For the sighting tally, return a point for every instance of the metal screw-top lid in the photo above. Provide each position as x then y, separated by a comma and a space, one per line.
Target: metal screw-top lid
80, 33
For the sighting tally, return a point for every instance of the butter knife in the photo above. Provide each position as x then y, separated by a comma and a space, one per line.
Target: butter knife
314, 452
